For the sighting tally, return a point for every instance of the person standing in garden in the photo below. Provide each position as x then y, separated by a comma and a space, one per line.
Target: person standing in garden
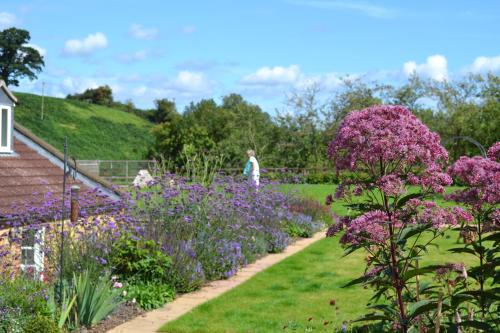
252, 170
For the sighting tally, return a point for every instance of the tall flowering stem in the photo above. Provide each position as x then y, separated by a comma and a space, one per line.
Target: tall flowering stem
389, 162
481, 195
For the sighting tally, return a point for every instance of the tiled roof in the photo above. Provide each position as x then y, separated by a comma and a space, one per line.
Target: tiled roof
27, 175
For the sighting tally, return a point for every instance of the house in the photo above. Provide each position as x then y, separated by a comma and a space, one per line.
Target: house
31, 168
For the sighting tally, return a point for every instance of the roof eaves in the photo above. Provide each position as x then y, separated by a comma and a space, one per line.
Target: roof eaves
6, 90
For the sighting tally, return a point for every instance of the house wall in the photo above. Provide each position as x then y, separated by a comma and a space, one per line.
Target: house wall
5, 100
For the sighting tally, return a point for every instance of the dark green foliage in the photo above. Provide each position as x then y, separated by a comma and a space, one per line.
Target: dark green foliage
13, 66
94, 132
228, 129
140, 260
100, 95
150, 295
40, 324
146, 270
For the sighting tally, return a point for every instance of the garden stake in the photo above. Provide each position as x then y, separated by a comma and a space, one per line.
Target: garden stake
63, 214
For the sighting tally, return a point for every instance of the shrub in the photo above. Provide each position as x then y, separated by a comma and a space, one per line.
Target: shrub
140, 260
187, 272
303, 226
40, 324
150, 295
221, 258
481, 198
382, 151
20, 299
320, 213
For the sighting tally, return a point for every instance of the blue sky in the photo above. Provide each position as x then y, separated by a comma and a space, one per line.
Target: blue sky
262, 49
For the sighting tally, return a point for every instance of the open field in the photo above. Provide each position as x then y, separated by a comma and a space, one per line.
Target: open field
93, 131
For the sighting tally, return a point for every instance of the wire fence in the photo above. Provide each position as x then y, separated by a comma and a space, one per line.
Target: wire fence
119, 172
123, 172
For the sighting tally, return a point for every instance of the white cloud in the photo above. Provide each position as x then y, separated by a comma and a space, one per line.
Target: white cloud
186, 85
87, 45
357, 6
189, 29
273, 76
435, 67
7, 20
190, 82
140, 32
282, 78
133, 57
72, 84
140, 91
485, 64
40, 49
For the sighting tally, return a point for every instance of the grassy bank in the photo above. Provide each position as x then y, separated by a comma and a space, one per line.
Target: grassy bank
93, 131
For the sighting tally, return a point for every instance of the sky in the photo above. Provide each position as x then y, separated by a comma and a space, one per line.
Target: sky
262, 49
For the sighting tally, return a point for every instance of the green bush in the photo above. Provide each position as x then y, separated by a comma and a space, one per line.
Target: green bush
150, 295
317, 211
21, 299
140, 260
39, 324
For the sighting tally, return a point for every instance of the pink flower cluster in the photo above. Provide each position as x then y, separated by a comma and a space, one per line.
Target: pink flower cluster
388, 135
494, 152
391, 185
370, 227
481, 175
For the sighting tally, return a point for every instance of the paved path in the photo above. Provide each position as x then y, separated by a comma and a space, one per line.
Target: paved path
152, 321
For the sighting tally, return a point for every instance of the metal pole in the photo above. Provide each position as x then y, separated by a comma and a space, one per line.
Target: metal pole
63, 216
43, 95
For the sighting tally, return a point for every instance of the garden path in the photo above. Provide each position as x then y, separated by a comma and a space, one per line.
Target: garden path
152, 321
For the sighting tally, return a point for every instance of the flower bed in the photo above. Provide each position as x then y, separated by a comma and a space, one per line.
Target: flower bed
170, 237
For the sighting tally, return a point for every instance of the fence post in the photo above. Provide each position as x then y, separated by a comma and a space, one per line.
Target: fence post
126, 170
75, 207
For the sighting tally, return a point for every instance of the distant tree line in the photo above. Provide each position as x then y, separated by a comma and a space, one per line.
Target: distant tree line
297, 136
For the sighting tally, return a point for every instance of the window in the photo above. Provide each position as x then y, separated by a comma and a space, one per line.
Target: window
32, 251
5, 129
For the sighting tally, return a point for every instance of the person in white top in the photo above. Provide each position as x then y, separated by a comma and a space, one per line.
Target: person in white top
252, 168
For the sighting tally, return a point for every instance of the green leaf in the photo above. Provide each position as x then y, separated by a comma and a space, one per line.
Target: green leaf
463, 250
420, 307
493, 237
359, 280
419, 271
371, 317
405, 199
412, 231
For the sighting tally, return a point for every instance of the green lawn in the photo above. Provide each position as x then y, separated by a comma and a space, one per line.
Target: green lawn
283, 297
93, 131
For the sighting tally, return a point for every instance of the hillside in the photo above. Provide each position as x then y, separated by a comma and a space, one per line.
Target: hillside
94, 131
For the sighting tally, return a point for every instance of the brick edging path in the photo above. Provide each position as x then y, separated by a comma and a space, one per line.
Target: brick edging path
152, 321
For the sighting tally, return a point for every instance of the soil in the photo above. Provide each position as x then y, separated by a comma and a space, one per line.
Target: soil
123, 313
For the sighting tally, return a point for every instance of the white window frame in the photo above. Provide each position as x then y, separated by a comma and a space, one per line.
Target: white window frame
38, 253
8, 148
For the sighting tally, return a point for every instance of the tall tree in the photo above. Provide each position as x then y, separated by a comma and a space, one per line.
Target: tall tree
17, 59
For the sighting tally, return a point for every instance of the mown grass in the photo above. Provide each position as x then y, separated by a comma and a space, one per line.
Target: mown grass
286, 296
93, 131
